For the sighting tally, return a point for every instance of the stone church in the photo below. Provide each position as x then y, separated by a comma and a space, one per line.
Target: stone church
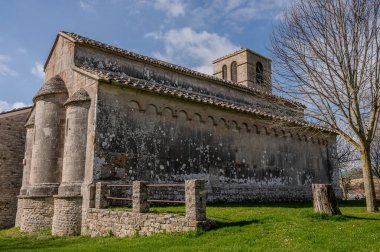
107, 114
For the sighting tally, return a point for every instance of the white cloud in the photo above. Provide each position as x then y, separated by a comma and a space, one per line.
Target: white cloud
5, 70
38, 70
233, 13
194, 49
5, 106
173, 8
88, 5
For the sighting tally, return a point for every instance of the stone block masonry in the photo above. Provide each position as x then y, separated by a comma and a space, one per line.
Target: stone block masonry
195, 200
99, 222
140, 197
101, 194
37, 213
103, 222
12, 145
67, 215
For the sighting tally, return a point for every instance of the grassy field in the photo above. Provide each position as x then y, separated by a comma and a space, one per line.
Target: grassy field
241, 227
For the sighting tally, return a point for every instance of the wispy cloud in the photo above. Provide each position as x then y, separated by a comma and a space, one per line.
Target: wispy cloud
88, 5
233, 13
173, 8
6, 106
191, 48
5, 70
38, 70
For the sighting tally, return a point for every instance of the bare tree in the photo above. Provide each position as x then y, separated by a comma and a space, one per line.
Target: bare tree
328, 52
375, 156
346, 157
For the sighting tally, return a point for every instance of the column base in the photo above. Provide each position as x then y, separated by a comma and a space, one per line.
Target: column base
70, 189
45, 190
37, 213
67, 218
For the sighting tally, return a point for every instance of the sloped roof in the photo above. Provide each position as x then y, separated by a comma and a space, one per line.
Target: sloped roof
15, 110
79, 96
125, 80
78, 39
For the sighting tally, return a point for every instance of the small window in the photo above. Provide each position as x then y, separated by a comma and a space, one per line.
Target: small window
234, 71
259, 73
224, 72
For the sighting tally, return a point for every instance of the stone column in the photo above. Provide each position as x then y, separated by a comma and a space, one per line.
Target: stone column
101, 193
140, 197
27, 164
46, 163
68, 202
195, 197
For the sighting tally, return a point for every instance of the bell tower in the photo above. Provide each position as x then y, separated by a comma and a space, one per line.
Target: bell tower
245, 67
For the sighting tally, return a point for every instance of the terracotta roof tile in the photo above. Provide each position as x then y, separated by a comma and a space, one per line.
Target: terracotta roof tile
86, 41
154, 87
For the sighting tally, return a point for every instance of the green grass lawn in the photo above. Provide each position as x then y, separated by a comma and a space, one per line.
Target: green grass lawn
241, 227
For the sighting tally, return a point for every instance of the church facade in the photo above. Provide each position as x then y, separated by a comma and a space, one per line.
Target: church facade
107, 114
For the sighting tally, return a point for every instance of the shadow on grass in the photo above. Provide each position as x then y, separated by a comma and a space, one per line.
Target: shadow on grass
345, 203
258, 204
220, 224
337, 218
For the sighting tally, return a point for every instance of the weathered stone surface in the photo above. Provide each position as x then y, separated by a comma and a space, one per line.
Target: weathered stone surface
53, 86
12, 146
140, 197
246, 62
101, 194
46, 164
240, 157
103, 222
67, 216
195, 200
37, 213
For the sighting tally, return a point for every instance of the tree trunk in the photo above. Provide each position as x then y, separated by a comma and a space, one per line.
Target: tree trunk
324, 199
369, 186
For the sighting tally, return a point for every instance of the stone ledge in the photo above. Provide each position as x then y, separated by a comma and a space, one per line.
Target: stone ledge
66, 196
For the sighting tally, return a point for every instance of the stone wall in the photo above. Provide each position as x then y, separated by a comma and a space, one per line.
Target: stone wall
102, 222
98, 222
12, 145
241, 157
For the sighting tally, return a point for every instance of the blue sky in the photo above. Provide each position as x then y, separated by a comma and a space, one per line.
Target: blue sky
188, 33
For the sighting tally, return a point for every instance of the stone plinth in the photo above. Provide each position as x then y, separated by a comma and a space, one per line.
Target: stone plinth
195, 200
101, 194
140, 197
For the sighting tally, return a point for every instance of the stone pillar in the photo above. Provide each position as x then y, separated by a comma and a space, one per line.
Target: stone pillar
101, 193
140, 197
67, 217
27, 164
195, 197
68, 202
46, 163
